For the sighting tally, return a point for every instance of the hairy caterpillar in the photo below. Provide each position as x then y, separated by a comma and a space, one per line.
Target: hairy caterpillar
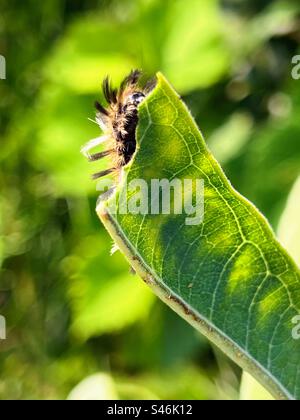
118, 122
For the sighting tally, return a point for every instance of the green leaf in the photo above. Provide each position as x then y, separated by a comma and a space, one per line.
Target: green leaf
289, 226
274, 157
228, 276
190, 381
107, 306
195, 53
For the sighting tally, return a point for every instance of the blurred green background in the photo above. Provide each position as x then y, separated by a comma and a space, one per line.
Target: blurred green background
73, 310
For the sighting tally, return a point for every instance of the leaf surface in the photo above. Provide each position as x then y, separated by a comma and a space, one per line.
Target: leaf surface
228, 276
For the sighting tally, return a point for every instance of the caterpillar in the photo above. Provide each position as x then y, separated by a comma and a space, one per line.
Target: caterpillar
118, 121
